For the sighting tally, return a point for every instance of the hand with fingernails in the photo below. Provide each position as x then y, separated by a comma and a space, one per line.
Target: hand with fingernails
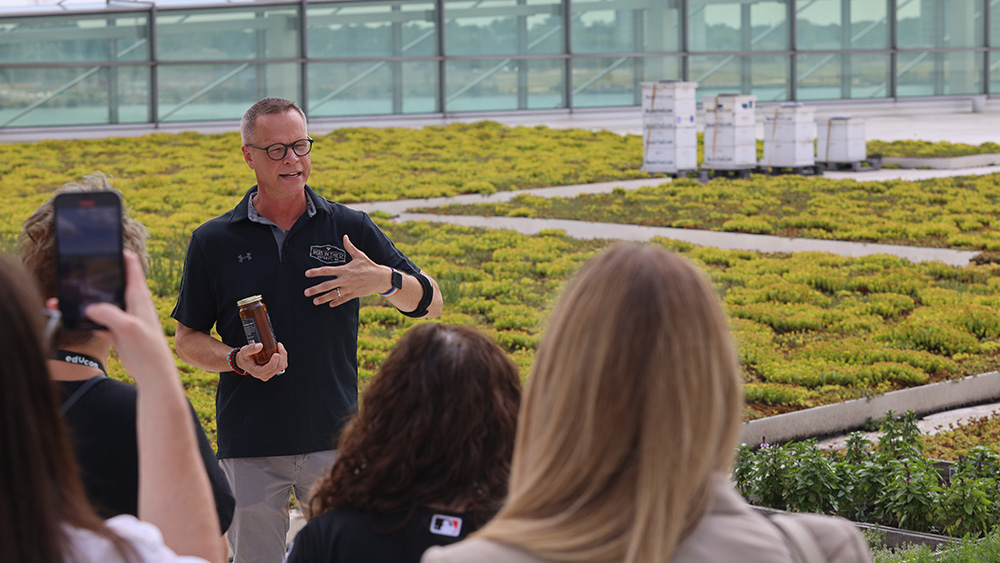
357, 278
275, 366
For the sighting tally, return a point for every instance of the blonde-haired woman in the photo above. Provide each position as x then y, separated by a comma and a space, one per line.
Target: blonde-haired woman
628, 428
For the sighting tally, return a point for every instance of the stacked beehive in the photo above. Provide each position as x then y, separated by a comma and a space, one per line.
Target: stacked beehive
790, 136
730, 132
669, 137
841, 140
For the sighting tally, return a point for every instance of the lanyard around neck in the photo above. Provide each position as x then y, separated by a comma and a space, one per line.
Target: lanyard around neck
77, 358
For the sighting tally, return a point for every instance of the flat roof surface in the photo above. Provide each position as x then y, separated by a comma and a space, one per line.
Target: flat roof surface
950, 119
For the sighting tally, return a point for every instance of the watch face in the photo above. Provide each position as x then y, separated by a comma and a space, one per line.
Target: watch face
397, 280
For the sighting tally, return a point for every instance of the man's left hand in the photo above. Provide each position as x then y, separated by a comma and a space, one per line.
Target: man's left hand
357, 278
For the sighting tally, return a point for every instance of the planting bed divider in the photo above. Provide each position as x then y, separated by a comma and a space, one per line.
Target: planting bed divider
946, 162
850, 415
894, 537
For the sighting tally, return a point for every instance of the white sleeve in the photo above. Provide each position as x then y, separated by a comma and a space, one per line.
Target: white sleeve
145, 539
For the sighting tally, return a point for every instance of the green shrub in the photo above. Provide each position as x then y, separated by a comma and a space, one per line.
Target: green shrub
891, 483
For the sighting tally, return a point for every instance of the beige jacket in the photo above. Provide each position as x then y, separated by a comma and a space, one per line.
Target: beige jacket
730, 531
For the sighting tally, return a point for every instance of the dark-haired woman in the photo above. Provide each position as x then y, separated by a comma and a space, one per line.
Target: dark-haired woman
44, 513
426, 460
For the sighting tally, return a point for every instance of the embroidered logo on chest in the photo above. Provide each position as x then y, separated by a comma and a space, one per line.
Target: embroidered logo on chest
328, 254
442, 525
244, 257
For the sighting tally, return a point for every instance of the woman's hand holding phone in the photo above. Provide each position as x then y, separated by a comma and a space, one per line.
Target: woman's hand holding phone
174, 492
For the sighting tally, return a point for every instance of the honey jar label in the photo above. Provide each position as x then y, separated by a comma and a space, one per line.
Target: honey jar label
251, 330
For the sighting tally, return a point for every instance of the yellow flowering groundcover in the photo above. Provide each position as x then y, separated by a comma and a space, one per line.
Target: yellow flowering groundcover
812, 328
955, 440
928, 149
956, 212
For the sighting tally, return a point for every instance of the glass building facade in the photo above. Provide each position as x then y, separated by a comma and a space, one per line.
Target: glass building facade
135, 63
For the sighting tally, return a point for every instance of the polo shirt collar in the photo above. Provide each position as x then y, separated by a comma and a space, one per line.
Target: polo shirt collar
242, 211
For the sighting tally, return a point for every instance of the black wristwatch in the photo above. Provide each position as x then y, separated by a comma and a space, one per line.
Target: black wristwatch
397, 283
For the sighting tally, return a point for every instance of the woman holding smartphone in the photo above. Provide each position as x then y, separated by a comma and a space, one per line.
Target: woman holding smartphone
44, 514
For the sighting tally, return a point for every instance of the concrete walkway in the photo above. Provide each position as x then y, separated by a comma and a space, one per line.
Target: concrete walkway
910, 175
717, 239
929, 425
886, 174
399, 209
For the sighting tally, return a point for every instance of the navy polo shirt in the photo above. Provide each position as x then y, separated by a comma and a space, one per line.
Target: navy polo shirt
230, 258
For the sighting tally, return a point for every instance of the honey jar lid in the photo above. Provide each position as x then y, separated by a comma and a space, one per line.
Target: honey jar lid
249, 300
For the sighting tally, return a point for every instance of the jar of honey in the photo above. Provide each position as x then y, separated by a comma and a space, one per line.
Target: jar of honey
257, 326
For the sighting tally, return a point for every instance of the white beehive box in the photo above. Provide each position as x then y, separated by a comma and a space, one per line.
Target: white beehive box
745, 135
782, 154
790, 122
789, 136
662, 129
731, 103
730, 157
672, 96
669, 137
790, 131
666, 119
730, 109
841, 139
789, 112
686, 138
670, 160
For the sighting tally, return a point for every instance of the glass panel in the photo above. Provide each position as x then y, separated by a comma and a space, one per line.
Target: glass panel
715, 25
61, 39
372, 29
940, 23
615, 81
503, 27
820, 25
227, 34
939, 74
994, 71
764, 76
222, 91
485, 85
613, 26
831, 77
994, 24
371, 88
77, 96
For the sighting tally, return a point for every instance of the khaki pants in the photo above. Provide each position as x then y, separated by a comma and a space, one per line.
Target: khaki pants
262, 486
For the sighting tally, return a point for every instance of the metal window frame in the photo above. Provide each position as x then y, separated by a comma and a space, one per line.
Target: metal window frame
568, 55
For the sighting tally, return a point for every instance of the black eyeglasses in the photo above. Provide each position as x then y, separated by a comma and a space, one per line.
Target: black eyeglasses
277, 151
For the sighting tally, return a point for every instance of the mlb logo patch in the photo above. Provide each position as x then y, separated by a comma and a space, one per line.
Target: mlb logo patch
328, 254
442, 525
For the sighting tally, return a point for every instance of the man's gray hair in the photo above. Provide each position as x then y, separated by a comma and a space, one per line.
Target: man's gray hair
267, 106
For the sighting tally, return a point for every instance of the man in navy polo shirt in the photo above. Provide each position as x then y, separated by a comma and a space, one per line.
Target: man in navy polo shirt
310, 259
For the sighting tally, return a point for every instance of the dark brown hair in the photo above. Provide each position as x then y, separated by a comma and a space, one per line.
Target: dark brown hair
437, 424
40, 488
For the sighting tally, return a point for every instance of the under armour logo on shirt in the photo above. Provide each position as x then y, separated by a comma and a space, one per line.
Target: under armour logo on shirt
243, 257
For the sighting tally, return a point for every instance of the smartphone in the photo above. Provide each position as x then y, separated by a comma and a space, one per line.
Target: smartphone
89, 265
